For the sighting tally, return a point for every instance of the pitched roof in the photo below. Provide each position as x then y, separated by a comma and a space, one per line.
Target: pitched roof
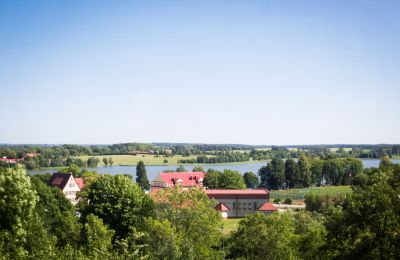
221, 207
186, 179
237, 192
268, 207
60, 180
80, 182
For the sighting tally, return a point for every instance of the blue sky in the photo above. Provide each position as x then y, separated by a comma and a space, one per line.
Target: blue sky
254, 72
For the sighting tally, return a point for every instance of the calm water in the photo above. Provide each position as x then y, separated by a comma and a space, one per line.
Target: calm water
152, 171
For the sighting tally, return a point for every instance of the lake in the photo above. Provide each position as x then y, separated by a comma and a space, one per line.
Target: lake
152, 171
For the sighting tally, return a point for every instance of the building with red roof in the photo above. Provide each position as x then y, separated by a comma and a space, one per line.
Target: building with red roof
239, 202
221, 207
171, 179
267, 208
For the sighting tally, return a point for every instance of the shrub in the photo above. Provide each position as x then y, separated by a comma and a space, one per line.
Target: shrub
288, 201
277, 200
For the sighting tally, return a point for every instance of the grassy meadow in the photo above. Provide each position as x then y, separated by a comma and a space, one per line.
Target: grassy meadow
299, 194
134, 159
230, 225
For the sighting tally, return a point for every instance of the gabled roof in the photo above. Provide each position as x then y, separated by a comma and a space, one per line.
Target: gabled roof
186, 179
60, 180
80, 182
268, 207
221, 207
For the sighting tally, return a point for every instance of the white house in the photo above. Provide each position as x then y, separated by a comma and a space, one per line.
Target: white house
68, 185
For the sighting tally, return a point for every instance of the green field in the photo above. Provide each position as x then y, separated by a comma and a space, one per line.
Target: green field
230, 225
134, 159
299, 194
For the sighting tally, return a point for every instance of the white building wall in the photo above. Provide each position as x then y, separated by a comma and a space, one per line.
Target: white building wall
71, 189
242, 207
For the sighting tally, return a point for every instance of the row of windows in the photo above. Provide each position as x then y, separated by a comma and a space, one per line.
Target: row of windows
70, 192
244, 206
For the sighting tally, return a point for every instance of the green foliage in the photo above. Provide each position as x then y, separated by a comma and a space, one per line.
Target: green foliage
73, 168
141, 176
292, 173
273, 175
228, 179
92, 162
119, 202
97, 238
278, 236
181, 169
191, 214
17, 200
368, 226
288, 201
264, 237
251, 180
105, 161
110, 161
198, 169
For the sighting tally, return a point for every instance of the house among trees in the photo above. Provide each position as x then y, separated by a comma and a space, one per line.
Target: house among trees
68, 184
239, 203
171, 179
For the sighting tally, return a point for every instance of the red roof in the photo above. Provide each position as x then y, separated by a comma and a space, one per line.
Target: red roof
268, 207
237, 192
221, 207
80, 182
186, 179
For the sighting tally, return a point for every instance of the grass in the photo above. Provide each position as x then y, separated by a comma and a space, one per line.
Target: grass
299, 194
230, 225
134, 159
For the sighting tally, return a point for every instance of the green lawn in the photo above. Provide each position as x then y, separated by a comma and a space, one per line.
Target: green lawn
134, 159
299, 194
230, 225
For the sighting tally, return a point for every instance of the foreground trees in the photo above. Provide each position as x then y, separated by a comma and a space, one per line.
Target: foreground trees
278, 236
119, 202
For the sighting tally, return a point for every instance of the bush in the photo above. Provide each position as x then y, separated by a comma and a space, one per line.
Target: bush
277, 200
288, 201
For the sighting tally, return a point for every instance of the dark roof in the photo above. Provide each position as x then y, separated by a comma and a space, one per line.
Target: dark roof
60, 179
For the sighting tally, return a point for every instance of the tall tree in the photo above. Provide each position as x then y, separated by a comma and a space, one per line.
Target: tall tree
110, 161
141, 176
305, 173
251, 180
291, 173
211, 179
105, 161
273, 175
181, 169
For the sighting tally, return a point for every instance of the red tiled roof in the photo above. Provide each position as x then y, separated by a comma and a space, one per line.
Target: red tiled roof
80, 182
267, 207
186, 179
221, 207
237, 192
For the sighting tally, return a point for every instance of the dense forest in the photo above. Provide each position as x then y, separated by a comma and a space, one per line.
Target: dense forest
116, 219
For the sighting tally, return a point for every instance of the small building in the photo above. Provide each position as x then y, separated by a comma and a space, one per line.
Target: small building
171, 179
66, 182
267, 208
239, 202
221, 207
10, 160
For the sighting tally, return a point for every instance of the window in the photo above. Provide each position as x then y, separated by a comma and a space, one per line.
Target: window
238, 205
249, 206
255, 205
71, 185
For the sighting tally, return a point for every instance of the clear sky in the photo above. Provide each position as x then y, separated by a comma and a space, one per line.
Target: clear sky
253, 72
